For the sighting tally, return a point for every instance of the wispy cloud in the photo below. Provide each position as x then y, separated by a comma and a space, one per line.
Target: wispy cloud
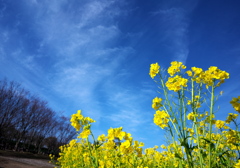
176, 31
73, 49
81, 39
175, 23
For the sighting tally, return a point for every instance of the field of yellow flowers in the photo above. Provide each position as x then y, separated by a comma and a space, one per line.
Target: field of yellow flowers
197, 139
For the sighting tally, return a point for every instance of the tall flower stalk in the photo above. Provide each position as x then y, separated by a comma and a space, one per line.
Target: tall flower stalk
183, 108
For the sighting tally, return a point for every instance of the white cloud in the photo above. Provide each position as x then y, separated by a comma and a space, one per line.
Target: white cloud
76, 40
175, 23
93, 11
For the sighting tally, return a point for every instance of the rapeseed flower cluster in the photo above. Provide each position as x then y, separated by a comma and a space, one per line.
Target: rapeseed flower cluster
161, 118
231, 117
77, 120
196, 138
176, 83
236, 103
175, 67
154, 70
156, 103
219, 124
208, 77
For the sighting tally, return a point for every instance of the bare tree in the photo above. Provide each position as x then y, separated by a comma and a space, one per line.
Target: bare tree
11, 95
27, 121
65, 131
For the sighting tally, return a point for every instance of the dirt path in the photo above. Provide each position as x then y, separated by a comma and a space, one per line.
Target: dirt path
15, 162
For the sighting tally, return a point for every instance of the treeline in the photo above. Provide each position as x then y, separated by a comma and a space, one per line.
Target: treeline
28, 124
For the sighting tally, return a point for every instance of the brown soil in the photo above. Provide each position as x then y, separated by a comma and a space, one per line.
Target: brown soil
9, 159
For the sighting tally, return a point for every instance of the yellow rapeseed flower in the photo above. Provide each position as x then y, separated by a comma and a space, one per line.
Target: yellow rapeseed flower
196, 71
237, 165
154, 70
176, 83
102, 138
163, 147
90, 120
138, 144
236, 103
189, 73
232, 136
75, 120
161, 119
213, 74
219, 124
156, 103
191, 131
109, 145
124, 147
191, 115
175, 67
85, 134
231, 117
117, 133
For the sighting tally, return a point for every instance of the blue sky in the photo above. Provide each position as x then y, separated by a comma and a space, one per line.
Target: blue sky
94, 55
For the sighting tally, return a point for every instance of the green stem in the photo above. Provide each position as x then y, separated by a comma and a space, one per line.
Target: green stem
182, 112
172, 121
165, 92
95, 149
210, 126
169, 105
196, 128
